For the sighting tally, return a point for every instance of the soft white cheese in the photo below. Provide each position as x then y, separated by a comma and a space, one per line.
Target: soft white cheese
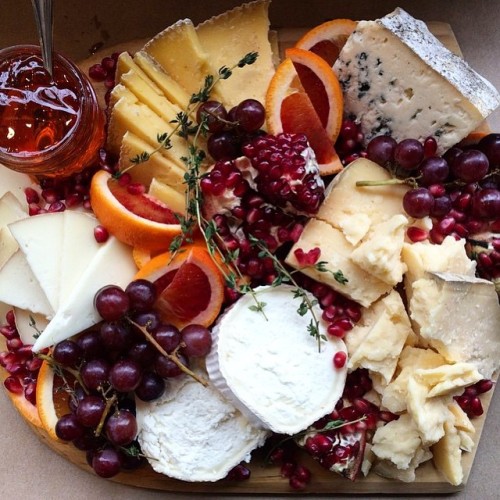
192, 433
269, 364
399, 80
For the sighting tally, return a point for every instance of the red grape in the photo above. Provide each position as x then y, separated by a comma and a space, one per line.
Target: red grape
409, 153
112, 303
197, 340
418, 202
381, 149
125, 375
121, 428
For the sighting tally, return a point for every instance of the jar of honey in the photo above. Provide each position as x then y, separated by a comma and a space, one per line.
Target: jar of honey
50, 126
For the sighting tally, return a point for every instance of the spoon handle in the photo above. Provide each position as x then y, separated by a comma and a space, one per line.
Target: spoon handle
44, 23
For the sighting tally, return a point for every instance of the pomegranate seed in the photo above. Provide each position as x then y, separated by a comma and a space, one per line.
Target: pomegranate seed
34, 364
302, 473
101, 234
308, 258
30, 393
10, 317
471, 391
6, 358
296, 484
436, 236
484, 386
31, 195
430, 147
364, 406
476, 408
34, 209
437, 190
339, 359
387, 416
277, 456
9, 332
484, 260
416, 234
13, 384
239, 473
108, 63
354, 312
461, 230
337, 331
446, 225
97, 73
287, 469
136, 188
57, 206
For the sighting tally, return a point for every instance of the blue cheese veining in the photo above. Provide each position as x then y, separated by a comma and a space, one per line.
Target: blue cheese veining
399, 80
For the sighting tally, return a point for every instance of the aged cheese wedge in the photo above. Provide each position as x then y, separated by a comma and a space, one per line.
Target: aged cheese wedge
174, 92
172, 198
336, 251
460, 317
130, 115
40, 238
229, 37
354, 210
447, 455
157, 166
178, 51
277, 375
192, 433
433, 93
15, 183
112, 265
126, 63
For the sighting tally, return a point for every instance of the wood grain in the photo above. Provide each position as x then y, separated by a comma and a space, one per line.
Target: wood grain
266, 479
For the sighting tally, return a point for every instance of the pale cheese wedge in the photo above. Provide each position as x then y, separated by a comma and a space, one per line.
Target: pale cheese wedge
11, 210
178, 51
29, 324
174, 92
227, 38
130, 115
40, 238
447, 455
126, 63
15, 183
112, 265
173, 199
157, 166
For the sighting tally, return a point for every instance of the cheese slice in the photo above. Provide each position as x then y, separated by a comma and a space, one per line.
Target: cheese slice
79, 248
29, 324
277, 375
354, 210
40, 238
178, 51
447, 455
174, 92
336, 251
460, 317
20, 288
112, 265
192, 433
11, 210
173, 199
399, 80
130, 115
157, 166
227, 38
15, 183
126, 63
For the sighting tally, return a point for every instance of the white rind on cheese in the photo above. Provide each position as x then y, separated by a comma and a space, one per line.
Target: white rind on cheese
111, 265
460, 317
399, 80
269, 365
192, 433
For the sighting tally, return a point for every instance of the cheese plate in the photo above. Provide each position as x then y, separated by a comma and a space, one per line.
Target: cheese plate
267, 480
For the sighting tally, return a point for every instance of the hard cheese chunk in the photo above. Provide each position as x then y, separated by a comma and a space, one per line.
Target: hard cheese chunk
399, 80
460, 317
376, 341
447, 455
193, 434
355, 209
336, 251
111, 265
228, 38
40, 238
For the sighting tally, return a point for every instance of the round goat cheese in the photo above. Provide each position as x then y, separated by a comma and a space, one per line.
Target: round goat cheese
193, 434
270, 367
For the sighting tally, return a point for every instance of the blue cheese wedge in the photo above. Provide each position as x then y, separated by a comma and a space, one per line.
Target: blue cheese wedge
192, 433
268, 364
399, 80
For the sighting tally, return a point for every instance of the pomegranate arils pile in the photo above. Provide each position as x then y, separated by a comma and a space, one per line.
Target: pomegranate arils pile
288, 175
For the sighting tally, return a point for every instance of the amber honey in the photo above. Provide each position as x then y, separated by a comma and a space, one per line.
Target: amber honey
49, 125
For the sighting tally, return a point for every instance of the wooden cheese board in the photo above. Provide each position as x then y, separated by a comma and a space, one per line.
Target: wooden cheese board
266, 479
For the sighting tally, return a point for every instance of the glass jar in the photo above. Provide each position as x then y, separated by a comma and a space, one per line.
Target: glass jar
49, 126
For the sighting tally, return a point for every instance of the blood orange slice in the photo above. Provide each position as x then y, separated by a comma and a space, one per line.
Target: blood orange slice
327, 39
190, 286
138, 220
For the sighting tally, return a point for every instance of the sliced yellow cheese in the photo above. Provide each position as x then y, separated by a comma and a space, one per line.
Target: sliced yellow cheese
178, 51
227, 38
174, 92
148, 95
174, 200
157, 166
126, 63
447, 455
130, 115
336, 251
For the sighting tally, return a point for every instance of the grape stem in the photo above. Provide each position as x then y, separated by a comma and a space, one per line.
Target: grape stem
410, 181
172, 357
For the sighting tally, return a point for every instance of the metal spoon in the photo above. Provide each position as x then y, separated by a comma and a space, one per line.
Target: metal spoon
44, 23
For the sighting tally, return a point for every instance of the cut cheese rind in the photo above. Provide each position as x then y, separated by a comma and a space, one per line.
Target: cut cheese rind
399, 80
270, 367
192, 433
112, 265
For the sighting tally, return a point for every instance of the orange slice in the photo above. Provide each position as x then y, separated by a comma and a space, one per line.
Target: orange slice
190, 285
327, 39
138, 220
304, 96
52, 400
28, 411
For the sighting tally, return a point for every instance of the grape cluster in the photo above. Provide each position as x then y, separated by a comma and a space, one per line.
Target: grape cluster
116, 362
229, 130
